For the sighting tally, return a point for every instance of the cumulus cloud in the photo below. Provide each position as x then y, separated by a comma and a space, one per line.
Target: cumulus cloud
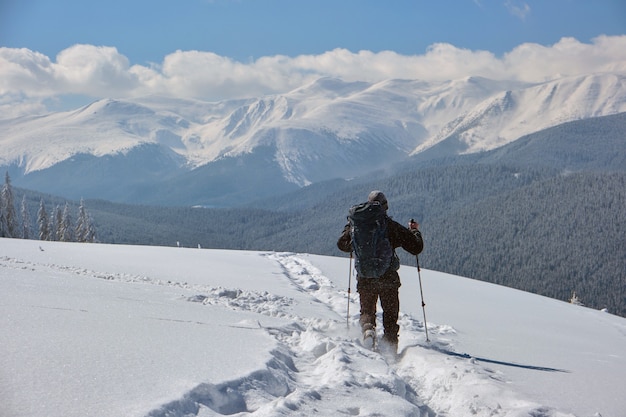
99, 71
536, 63
87, 69
80, 69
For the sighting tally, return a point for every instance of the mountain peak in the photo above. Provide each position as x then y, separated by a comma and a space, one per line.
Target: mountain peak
327, 129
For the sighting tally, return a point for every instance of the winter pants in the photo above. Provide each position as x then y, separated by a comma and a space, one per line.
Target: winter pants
390, 303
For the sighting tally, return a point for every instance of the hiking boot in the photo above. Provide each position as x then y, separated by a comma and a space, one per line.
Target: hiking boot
369, 336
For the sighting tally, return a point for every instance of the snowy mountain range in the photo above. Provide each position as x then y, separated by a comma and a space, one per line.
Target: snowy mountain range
217, 153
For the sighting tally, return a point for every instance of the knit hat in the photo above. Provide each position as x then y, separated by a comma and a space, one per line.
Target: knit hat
380, 197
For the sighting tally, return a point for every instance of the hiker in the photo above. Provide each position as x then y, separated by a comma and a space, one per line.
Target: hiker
385, 284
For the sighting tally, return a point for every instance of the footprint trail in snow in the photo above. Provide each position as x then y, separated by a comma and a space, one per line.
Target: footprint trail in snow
321, 368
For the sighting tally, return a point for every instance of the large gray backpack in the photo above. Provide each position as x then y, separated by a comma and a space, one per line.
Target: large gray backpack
368, 229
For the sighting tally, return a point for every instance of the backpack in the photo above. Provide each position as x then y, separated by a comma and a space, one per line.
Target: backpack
368, 230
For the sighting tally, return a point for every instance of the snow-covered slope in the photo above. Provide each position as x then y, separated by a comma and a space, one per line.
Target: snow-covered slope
511, 114
324, 130
111, 330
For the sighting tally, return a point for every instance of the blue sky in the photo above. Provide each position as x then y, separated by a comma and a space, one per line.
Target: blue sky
147, 30
218, 49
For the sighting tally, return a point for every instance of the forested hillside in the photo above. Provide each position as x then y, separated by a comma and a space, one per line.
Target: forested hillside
551, 237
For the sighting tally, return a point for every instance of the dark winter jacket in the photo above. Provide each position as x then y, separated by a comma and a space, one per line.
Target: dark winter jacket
399, 236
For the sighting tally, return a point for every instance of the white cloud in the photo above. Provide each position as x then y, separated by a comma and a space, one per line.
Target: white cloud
29, 77
534, 63
12, 106
87, 69
80, 69
518, 9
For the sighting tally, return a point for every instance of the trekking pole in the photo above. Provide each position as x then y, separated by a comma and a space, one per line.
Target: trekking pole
419, 275
349, 291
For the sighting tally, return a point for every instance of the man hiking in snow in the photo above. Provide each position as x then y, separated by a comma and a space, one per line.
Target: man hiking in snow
374, 236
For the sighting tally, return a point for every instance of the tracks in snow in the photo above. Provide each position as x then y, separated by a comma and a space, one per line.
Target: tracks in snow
319, 367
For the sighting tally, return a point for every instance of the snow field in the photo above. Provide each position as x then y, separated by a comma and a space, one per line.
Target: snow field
111, 330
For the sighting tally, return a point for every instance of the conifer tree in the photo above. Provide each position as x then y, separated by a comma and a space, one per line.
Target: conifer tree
84, 227
65, 230
55, 224
90, 236
8, 217
25, 220
3, 220
43, 221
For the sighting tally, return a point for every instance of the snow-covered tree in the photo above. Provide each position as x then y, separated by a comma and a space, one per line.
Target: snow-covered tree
25, 220
91, 231
56, 219
85, 231
81, 222
3, 220
43, 222
8, 216
66, 232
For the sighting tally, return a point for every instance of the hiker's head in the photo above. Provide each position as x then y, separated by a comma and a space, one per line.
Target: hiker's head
380, 197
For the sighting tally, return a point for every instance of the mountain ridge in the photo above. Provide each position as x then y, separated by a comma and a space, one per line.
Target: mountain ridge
327, 129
